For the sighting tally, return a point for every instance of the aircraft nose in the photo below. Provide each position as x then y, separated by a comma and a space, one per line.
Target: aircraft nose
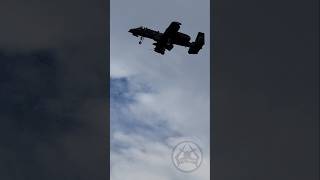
133, 31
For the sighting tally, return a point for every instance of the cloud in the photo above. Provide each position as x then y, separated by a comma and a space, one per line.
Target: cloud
43, 131
145, 158
54, 96
176, 103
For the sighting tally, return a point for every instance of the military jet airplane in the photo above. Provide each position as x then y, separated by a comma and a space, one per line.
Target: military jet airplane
171, 36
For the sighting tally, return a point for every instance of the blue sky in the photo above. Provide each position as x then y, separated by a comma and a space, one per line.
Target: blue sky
157, 101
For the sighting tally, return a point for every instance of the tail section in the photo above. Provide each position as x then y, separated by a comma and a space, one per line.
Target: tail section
197, 44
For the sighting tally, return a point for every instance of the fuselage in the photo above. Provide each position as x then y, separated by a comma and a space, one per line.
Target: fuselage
176, 38
145, 32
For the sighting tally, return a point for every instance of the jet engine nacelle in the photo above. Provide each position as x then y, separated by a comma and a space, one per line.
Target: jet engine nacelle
169, 46
182, 37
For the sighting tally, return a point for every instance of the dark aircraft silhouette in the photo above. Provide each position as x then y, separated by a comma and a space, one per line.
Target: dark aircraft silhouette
170, 37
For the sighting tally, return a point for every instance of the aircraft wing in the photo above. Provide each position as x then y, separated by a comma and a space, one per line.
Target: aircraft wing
172, 29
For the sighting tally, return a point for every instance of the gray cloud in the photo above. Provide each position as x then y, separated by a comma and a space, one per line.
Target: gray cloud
54, 90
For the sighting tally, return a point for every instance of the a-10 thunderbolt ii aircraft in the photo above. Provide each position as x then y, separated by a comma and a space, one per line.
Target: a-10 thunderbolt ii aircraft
171, 36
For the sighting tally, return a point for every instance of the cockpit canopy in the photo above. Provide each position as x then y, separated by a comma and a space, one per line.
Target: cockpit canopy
141, 28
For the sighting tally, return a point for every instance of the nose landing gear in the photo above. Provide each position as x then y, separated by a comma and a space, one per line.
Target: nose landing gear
141, 39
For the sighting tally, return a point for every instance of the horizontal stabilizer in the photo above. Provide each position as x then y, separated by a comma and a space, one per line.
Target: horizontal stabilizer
197, 44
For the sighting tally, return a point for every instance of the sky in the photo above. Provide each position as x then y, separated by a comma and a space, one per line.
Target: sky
53, 84
54, 93
157, 101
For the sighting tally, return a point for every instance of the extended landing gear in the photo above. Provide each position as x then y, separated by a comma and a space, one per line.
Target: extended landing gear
141, 39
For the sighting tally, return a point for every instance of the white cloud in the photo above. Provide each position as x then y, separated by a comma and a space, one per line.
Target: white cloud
148, 159
180, 88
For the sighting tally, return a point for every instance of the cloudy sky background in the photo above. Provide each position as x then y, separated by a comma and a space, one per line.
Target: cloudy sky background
53, 100
157, 101
54, 122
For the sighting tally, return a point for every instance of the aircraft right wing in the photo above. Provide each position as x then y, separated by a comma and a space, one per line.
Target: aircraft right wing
163, 42
172, 29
